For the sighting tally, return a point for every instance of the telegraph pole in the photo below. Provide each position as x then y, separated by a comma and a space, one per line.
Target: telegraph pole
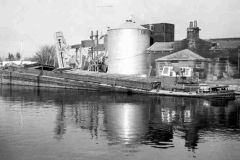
91, 37
95, 48
97, 41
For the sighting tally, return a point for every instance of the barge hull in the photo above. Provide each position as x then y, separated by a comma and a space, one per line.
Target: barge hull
83, 80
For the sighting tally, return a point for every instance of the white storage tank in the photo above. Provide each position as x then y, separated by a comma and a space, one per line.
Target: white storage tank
126, 47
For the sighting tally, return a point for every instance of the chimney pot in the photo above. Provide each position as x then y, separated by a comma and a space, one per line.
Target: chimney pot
191, 24
195, 23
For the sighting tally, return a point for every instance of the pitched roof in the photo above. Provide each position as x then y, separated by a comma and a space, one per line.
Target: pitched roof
185, 54
226, 43
161, 46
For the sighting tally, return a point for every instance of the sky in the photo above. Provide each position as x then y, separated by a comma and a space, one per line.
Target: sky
26, 25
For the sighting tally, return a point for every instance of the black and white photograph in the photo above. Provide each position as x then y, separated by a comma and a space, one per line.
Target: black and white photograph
119, 79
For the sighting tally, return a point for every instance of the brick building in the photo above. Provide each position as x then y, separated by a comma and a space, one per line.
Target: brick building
221, 54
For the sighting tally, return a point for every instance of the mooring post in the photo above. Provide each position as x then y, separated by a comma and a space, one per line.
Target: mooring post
41, 73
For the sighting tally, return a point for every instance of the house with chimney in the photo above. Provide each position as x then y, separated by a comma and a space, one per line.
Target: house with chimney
221, 56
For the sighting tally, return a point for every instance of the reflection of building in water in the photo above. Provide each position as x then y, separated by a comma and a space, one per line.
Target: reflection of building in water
176, 109
227, 116
192, 115
83, 111
87, 116
180, 112
135, 120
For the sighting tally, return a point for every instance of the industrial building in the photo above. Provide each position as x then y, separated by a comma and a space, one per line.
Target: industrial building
161, 32
135, 49
221, 54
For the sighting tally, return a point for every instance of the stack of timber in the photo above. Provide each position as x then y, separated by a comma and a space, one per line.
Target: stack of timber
77, 79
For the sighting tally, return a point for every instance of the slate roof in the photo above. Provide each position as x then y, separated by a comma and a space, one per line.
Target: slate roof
161, 46
185, 54
225, 43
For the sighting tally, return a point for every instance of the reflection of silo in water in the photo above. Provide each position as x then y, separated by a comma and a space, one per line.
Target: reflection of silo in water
126, 122
126, 47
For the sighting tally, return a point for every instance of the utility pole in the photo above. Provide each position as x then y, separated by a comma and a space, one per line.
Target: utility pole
97, 50
97, 41
94, 55
91, 37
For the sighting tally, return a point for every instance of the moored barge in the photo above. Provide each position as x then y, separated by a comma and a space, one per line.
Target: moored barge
76, 79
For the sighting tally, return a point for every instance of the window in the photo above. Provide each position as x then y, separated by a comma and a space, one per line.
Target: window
165, 71
171, 72
187, 72
198, 64
160, 67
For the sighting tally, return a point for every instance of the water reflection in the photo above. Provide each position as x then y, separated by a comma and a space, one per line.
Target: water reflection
60, 128
133, 119
126, 122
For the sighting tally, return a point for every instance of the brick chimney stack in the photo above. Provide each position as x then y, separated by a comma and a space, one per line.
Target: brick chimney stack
193, 31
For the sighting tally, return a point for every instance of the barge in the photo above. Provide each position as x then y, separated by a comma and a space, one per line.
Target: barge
203, 91
78, 79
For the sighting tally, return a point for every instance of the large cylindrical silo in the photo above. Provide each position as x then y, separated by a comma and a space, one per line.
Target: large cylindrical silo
127, 46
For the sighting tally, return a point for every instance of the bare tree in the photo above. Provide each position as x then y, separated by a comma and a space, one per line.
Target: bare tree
10, 57
46, 55
18, 56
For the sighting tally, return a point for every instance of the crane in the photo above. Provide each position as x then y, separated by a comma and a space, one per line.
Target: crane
63, 55
65, 60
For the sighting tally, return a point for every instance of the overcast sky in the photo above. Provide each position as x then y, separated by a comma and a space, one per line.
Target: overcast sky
36, 21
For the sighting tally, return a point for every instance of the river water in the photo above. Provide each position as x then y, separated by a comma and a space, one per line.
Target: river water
37, 124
